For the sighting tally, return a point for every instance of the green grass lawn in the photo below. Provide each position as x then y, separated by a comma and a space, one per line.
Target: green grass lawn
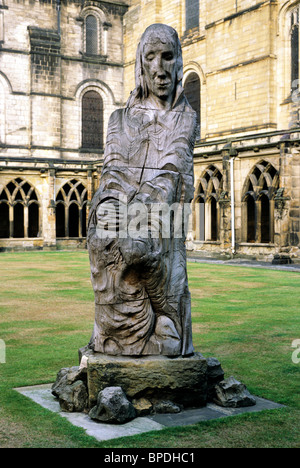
246, 317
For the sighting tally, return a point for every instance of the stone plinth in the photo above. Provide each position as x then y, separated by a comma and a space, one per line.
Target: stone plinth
182, 380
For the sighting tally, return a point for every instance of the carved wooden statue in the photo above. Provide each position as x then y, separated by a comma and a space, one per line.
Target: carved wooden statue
142, 301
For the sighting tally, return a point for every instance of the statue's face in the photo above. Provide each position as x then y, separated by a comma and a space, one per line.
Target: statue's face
159, 63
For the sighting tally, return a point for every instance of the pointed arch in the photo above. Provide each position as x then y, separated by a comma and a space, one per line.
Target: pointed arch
71, 210
206, 205
20, 207
259, 191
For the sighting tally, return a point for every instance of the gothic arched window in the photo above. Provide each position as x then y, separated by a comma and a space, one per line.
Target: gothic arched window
207, 205
71, 211
92, 120
19, 210
258, 203
192, 93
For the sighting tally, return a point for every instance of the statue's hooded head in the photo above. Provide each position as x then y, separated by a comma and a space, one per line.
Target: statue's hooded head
166, 35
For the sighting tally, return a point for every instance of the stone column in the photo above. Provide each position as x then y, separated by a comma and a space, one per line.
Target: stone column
89, 191
294, 212
49, 225
224, 203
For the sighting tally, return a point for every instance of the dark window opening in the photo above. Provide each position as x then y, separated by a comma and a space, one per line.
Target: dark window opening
251, 219
60, 220
92, 120
80, 188
18, 221
294, 56
214, 223
33, 195
60, 197
265, 220
91, 35
191, 14
33, 220
74, 196
3, 195
192, 93
19, 196
26, 187
73, 220
11, 187
84, 220
4, 220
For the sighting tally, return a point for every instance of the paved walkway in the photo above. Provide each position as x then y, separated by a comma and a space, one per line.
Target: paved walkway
244, 263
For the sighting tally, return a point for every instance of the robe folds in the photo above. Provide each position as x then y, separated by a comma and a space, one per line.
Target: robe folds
138, 261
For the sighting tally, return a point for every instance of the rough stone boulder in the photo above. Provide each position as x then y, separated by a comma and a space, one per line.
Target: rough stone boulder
112, 407
166, 407
71, 390
231, 393
215, 375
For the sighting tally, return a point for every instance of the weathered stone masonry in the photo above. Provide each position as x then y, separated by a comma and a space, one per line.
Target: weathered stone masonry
238, 69
45, 73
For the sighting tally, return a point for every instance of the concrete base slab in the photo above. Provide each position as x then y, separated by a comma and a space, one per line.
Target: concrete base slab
42, 395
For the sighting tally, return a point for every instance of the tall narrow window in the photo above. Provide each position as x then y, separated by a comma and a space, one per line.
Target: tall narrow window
1, 26
250, 219
91, 32
19, 220
191, 14
265, 219
83, 220
213, 220
60, 220
192, 93
33, 217
294, 55
2, 114
73, 220
4, 220
92, 120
